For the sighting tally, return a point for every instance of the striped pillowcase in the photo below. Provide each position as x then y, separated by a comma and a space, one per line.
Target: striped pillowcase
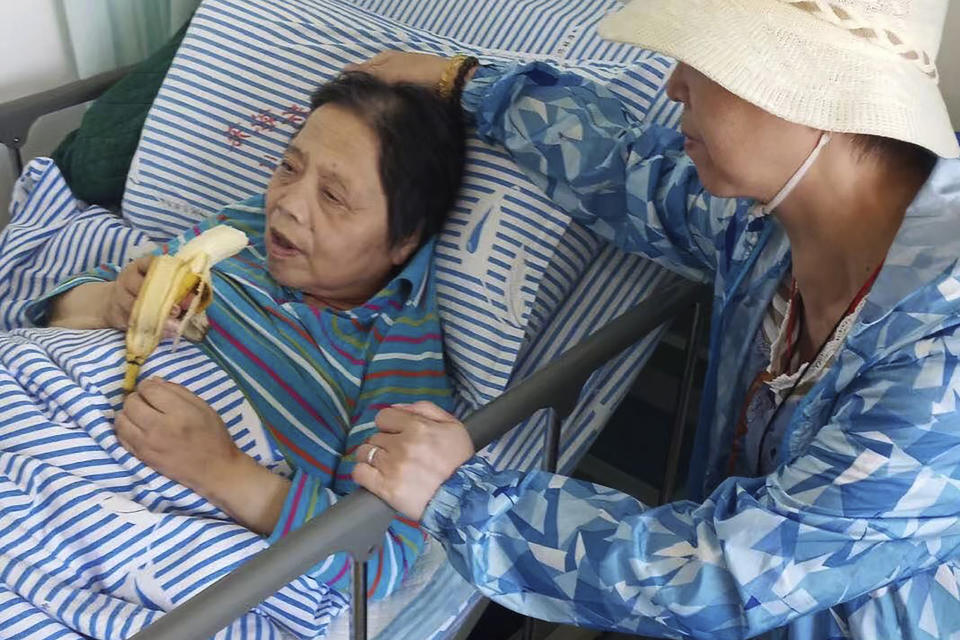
560, 29
240, 84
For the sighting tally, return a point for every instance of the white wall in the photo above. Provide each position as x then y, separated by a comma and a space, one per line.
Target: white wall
33, 52
33, 57
949, 63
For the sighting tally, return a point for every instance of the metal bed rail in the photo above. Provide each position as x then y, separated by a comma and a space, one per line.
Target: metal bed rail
17, 116
356, 524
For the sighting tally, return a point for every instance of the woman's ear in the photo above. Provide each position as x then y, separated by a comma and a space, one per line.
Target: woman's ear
402, 251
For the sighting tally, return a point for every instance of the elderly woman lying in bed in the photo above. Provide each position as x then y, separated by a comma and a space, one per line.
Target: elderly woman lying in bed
327, 317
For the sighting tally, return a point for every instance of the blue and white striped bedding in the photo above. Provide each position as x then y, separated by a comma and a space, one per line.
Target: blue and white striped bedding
518, 282
95, 544
555, 28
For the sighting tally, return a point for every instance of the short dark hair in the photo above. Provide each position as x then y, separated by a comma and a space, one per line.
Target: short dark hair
896, 153
422, 143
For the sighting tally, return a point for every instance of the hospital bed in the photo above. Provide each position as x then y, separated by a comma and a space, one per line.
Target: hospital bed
519, 285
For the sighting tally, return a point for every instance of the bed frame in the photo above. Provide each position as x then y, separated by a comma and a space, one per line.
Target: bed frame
357, 523
17, 116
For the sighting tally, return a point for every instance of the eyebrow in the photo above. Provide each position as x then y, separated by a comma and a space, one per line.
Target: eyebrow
323, 172
336, 178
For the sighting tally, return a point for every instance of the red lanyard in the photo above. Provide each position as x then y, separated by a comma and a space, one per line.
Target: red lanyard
796, 311
796, 316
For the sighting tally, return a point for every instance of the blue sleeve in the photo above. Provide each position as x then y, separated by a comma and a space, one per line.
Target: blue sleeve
629, 182
38, 311
872, 501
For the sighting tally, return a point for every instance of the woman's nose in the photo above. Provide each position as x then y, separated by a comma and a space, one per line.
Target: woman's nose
287, 209
677, 84
294, 204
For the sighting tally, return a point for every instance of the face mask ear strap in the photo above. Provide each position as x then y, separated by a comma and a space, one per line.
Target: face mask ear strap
798, 176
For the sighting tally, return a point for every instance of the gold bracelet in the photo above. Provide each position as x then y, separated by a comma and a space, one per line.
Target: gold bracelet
446, 85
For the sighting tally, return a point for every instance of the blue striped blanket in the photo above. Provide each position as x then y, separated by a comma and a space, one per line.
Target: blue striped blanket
93, 543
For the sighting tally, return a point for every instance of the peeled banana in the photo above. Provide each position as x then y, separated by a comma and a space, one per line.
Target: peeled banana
169, 280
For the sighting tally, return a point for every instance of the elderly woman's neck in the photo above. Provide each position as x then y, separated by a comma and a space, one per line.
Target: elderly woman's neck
339, 303
841, 221
346, 299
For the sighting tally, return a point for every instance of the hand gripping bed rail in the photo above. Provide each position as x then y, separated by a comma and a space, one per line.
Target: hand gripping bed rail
356, 524
17, 116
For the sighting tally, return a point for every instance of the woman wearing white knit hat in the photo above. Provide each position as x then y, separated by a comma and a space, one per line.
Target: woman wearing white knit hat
816, 187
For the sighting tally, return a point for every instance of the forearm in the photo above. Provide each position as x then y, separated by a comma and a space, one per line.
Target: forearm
626, 180
732, 567
82, 307
250, 494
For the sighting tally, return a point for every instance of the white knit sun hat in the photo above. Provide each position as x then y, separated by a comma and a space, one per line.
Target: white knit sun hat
851, 66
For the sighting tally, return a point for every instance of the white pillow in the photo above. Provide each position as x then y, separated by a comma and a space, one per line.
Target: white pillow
555, 28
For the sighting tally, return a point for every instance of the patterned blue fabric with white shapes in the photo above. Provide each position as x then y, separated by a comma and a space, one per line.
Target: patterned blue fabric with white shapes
854, 535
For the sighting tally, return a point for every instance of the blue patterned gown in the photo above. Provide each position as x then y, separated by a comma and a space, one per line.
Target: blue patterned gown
855, 534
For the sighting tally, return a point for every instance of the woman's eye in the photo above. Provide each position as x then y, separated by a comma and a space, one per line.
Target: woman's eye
286, 167
329, 196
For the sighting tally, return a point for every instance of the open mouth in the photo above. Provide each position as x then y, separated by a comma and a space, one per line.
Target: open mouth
281, 245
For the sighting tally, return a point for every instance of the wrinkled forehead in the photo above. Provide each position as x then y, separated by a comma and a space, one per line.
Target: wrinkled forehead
333, 127
336, 143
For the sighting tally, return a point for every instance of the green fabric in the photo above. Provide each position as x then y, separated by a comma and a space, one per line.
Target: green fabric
95, 158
